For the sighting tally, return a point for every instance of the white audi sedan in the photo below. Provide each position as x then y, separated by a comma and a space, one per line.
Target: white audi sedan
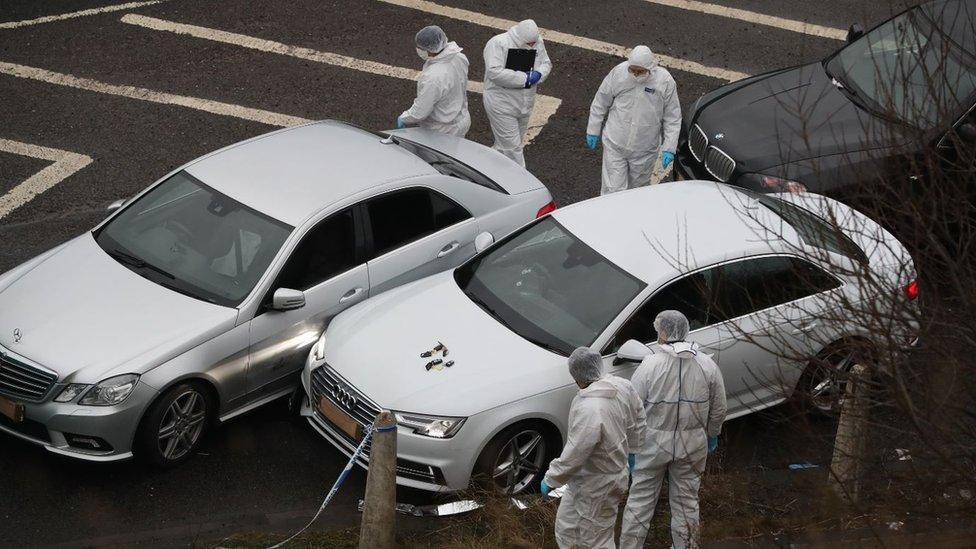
473, 361
199, 299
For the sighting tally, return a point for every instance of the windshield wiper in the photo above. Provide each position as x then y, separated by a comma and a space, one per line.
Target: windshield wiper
134, 261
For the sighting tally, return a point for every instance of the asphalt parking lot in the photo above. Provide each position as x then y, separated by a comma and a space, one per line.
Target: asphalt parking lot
96, 106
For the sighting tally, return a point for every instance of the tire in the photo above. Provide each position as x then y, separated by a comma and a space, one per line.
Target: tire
824, 382
538, 444
185, 412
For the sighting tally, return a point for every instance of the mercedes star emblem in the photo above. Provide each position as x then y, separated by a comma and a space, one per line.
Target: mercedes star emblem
719, 136
17, 335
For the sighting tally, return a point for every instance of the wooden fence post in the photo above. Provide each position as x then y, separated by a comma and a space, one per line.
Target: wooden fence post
850, 442
378, 529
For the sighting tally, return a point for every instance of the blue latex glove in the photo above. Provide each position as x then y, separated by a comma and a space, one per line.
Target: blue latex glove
400, 124
631, 461
592, 141
545, 489
666, 159
534, 77
712, 444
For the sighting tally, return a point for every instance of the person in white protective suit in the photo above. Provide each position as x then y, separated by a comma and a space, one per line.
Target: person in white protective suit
638, 100
684, 398
510, 94
606, 428
442, 100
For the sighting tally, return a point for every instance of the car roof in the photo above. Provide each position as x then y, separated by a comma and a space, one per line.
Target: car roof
294, 173
657, 232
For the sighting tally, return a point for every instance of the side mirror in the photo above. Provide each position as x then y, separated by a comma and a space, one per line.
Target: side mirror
483, 241
631, 351
967, 132
286, 299
116, 205
856, 31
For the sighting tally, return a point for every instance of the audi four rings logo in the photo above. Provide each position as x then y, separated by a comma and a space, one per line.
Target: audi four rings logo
17, 335
345, 397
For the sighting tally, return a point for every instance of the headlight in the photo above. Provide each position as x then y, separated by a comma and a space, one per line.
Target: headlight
430, 426
318, 350
769, 183
110, 392
71, 391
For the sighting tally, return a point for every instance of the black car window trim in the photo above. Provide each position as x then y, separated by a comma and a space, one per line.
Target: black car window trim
369, 246
608, 354
360, 245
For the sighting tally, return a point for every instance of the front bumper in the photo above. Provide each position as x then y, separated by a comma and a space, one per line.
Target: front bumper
425, 463
90, 433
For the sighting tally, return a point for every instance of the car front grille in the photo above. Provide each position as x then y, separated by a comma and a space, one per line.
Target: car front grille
327, 383
718, 163
23, 381
697, 142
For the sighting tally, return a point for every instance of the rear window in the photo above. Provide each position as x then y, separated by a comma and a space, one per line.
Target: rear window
813, 230
447, 165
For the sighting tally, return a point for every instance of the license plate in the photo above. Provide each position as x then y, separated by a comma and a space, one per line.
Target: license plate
340, 419
11, 409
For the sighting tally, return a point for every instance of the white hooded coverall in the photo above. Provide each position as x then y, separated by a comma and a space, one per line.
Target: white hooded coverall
442, 100
606, 422
508, 102
643, 117
684, 398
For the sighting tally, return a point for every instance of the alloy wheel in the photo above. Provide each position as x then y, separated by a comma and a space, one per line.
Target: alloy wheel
182, 425
519, 462
830, 384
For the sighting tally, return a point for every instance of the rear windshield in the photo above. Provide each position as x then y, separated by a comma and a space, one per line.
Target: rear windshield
813, 230
448, 166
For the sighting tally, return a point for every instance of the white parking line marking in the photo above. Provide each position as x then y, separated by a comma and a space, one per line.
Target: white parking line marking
65, 163
567, 39
132, 92
754, 17
545, 105
72, 15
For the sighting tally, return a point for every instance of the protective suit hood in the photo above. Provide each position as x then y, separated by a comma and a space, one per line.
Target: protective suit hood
599, 389
681, 349
449, 51
525, 32
643, 57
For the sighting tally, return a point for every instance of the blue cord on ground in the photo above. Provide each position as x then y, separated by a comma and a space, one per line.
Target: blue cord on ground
338, 483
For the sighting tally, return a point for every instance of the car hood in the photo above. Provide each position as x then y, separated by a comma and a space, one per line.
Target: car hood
789, 116
376, 347
83, 315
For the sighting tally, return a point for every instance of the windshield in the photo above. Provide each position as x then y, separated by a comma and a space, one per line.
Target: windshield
918, 67
194, 240
540, 284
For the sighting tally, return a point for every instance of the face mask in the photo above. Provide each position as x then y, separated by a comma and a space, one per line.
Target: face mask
642, 78
422, 54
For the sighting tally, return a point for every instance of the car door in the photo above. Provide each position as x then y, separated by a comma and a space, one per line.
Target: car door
328, 266
415, 232
768, 315
688, 294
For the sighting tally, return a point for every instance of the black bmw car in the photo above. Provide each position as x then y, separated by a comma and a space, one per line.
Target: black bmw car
905, 89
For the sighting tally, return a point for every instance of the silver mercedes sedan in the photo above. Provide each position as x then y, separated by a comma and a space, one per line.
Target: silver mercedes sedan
198, 299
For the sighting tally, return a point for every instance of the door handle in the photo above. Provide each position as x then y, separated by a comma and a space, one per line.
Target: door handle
449, 249
806, 328
351, 294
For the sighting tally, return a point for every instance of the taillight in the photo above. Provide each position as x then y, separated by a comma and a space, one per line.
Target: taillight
548, 208
912, 290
